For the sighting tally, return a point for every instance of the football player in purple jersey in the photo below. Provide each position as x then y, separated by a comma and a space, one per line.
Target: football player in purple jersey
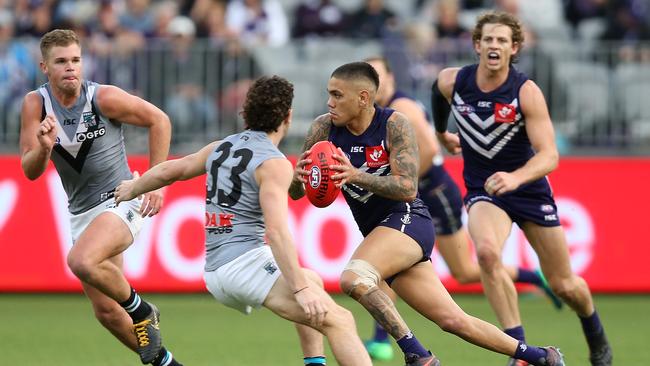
378, 173
443, 199
507, 142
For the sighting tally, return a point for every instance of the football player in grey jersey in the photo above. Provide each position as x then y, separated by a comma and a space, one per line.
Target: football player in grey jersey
77, 124
247, 188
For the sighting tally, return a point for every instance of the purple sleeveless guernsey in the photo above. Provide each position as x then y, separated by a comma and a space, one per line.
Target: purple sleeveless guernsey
492, 129
369, 153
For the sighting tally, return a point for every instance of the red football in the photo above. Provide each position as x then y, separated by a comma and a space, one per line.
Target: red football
320, 189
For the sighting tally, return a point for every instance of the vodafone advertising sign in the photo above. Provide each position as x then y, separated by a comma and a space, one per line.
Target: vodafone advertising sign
605, 223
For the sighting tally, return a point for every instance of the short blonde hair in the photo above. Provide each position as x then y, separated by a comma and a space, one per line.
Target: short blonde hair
57, 38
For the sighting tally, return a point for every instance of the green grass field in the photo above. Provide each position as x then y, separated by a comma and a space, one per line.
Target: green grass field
57, 330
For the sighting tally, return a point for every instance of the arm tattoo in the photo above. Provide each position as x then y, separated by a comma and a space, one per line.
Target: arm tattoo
402, 184
318, 131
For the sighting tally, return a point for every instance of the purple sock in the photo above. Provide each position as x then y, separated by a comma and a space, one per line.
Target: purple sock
593, 329
380, 334
516, 333
528, 276
530, 354
410, 344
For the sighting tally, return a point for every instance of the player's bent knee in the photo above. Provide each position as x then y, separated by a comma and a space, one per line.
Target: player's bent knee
563, 291
81, 267
455, 323
488, 258
566, 288
464, 277
340, 316
358, 278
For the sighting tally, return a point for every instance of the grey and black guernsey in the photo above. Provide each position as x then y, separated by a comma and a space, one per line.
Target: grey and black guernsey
492, 129
369, 153
89, 152
234, 220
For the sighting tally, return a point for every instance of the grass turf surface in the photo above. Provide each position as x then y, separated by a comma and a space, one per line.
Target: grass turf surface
55, 329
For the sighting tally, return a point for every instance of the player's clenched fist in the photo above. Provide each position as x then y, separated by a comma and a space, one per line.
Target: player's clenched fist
47, 131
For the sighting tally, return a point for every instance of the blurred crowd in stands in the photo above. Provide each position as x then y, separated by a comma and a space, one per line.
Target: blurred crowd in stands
274, 22
425, 35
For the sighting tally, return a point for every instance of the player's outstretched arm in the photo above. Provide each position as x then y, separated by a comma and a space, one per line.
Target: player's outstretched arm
37, 137
402, 183
165, 174
318, 131
274, 178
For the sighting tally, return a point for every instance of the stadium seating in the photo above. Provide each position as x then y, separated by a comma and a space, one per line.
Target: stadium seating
632, 85
308, 64
583, 89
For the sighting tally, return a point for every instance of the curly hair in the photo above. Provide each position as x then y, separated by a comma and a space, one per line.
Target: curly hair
267, 103
57, 38
500, 17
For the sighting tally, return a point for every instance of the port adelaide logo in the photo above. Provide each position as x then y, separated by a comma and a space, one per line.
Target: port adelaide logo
93, 130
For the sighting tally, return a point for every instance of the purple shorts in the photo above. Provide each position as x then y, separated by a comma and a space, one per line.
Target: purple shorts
416, 223
442, 195
521, 206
